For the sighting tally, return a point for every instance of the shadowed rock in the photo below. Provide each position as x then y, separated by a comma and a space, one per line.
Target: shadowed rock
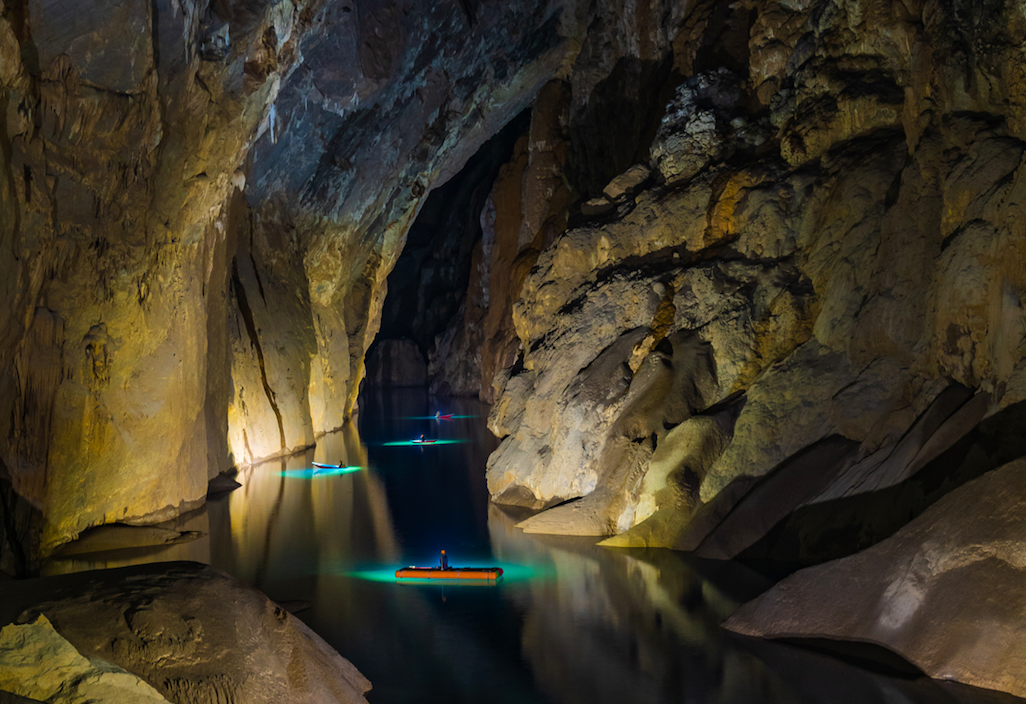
120, 537
942, 592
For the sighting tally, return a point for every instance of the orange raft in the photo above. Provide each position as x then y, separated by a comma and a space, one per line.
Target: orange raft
444, 571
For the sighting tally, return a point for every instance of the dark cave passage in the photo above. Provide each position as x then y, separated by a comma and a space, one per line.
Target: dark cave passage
438, 290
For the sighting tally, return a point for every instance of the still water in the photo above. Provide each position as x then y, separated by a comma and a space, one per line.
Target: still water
570, 623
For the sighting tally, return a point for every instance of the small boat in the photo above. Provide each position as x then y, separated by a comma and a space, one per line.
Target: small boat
321, 465
444, 571
422, 441
443, 416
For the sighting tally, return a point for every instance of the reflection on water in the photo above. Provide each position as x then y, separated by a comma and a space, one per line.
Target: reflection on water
570, 622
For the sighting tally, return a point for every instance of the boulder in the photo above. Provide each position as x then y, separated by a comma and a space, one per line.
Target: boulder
627, 183
596, 206
942, 592
220, 485
37, 662
191, 632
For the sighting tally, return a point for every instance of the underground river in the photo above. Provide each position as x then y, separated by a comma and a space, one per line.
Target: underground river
569, 623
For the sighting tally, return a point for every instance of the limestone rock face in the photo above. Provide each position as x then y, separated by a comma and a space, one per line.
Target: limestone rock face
392, 102
689, 138
942, 592
171, 625
826, 273
396, 363
36, 662
121, 139
199, 206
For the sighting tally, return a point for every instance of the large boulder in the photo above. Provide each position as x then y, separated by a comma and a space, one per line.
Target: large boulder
609, 626
191, 632
943, 592
37, 662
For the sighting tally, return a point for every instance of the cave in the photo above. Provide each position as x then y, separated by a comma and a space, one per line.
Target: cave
676, 351
433, 317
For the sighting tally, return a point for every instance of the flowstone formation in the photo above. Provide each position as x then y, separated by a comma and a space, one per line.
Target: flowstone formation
811, 288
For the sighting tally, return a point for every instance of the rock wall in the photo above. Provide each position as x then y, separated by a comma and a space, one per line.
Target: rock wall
198, 208
123, 133
825, 234
390, 103
527, 207
437, 291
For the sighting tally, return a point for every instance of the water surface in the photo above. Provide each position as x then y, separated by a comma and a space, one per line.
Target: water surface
571, 623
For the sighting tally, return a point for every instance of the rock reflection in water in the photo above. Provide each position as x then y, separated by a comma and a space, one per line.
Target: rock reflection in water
642, 626
594, 626
285, 531
197, 550
612, 626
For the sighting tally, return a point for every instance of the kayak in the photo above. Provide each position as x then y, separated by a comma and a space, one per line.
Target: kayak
444, 571
420, 441
449, 573
321, 465
443, 416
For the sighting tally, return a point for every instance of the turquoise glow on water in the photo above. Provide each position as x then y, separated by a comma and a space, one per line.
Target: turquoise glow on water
411, 443
570, 621
511, 574
318, 472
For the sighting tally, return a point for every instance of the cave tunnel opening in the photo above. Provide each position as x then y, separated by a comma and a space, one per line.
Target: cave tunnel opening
424, 316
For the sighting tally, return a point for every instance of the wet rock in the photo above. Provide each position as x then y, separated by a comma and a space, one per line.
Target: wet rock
171, 624
946, 561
